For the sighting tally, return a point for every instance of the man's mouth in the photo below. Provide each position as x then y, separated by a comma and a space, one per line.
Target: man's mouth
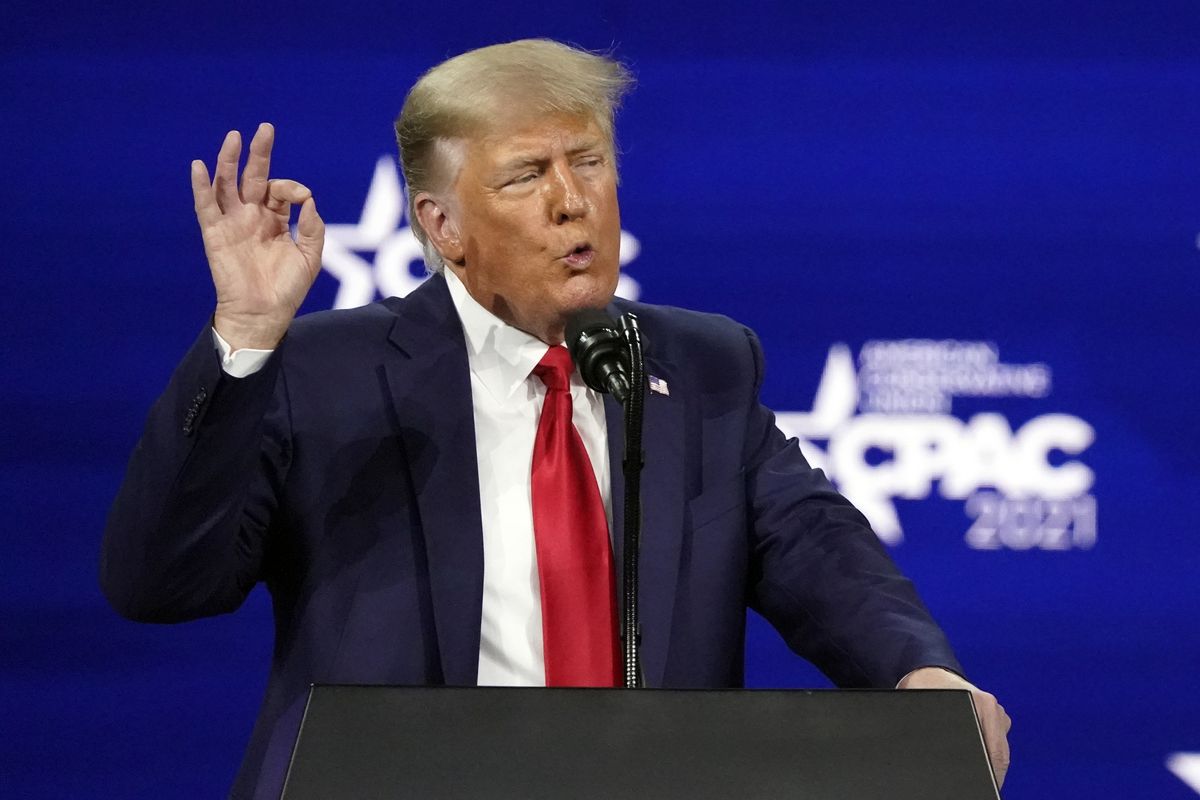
580, 256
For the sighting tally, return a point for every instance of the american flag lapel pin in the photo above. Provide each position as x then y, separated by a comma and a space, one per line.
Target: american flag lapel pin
658, 385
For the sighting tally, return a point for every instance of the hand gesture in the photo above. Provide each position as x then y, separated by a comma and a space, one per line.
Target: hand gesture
260, 273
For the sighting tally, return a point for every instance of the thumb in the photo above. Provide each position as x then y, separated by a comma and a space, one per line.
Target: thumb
310, 233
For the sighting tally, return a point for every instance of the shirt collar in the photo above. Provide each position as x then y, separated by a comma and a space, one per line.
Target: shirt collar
501, 356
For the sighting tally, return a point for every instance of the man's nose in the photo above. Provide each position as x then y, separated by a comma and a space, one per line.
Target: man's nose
568, 201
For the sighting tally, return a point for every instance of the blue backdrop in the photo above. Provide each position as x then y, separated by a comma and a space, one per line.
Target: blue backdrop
968, 238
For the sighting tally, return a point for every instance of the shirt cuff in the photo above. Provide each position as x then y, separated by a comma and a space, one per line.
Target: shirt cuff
239, 363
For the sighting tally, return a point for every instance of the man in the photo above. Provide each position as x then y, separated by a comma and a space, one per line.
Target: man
389, 472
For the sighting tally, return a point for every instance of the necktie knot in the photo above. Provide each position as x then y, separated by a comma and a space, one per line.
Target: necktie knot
555, 369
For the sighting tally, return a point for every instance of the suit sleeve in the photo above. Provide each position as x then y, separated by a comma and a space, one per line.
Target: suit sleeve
819, 574
186, 535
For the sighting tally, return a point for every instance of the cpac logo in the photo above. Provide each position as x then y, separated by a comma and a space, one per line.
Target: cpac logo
398, 266
1021, 487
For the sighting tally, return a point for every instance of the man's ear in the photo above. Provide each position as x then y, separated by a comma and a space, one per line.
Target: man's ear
441, 230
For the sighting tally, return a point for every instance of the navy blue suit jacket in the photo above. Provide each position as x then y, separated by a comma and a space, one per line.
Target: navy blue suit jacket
344, 476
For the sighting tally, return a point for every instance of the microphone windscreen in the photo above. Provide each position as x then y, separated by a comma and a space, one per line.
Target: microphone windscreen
583, 325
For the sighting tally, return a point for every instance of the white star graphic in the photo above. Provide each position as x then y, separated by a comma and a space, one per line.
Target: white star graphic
398, 266
833, 406
1186, 767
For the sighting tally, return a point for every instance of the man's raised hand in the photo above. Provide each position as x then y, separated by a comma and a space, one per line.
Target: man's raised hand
260, 272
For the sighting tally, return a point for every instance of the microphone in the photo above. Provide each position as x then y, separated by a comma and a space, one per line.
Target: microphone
597, 349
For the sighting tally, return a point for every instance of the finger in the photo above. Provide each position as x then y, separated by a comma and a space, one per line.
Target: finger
283, 193
310, 234
258, 164
1000, 761
207, 211
225, 178
995, 725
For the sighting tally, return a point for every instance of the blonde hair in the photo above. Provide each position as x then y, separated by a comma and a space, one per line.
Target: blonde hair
459, 97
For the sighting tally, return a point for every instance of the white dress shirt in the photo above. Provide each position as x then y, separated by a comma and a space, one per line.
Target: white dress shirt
507, 401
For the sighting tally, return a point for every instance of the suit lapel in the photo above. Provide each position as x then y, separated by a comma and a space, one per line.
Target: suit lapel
429, 385
662, 513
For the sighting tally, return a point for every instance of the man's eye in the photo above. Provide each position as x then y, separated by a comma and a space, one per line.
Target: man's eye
524, 178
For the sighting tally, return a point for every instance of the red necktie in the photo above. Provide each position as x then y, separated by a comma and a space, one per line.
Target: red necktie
579, 616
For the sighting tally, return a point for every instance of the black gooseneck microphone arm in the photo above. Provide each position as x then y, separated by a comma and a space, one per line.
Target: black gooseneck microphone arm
609, 357
631, 633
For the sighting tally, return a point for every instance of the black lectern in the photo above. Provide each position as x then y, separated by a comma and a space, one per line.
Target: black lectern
393, 742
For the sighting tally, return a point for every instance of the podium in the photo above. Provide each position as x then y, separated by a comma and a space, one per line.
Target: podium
368, 742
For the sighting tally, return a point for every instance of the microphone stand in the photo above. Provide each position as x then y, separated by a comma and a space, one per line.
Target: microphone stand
631, 633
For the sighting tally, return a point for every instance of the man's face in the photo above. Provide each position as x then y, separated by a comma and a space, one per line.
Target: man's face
536, 217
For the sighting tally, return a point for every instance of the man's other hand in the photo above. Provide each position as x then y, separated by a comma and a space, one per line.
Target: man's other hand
260, 273
993, 719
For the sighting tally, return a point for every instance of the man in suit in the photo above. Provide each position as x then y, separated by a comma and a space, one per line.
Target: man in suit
389, 472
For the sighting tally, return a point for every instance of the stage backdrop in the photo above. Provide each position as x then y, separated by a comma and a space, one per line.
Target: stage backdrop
968, 240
